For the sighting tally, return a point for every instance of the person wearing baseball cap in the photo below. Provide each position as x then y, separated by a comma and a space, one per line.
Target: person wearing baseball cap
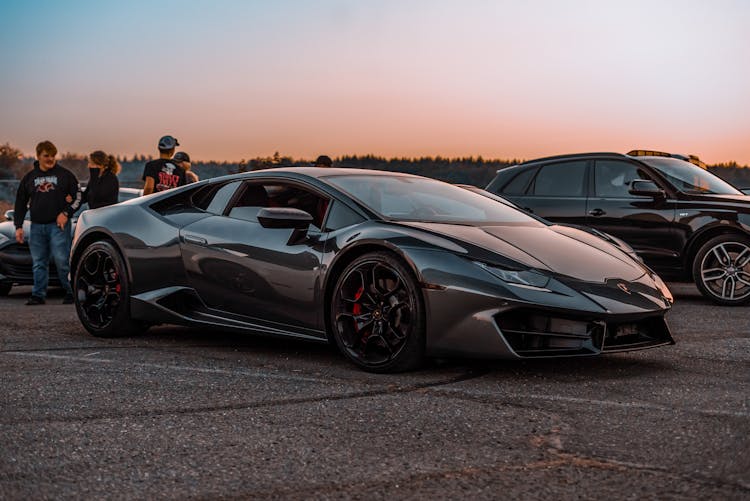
163, 173
323, 161
182, 159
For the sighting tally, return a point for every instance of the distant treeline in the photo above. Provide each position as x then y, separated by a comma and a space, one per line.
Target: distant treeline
465, 170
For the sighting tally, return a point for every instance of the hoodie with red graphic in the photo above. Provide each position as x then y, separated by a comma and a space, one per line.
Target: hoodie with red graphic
45, 193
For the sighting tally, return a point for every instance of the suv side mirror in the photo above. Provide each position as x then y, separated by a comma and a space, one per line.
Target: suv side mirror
645, 188
9, 214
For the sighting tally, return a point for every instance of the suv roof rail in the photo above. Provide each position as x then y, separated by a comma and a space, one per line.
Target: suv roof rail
573, 155
693, 159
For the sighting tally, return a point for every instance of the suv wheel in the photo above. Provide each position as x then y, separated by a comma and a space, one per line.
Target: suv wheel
721, 269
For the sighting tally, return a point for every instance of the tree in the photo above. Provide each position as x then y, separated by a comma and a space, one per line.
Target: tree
10, 160
76, 163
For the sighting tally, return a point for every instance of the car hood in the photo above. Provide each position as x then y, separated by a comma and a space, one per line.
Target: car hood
559, 249
8, 229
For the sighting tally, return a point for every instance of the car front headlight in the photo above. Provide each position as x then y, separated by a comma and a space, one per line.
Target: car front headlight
3, 239
527, 279
665, 292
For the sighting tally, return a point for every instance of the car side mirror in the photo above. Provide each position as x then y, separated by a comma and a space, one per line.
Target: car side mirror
280, 217
645, 188
9, 214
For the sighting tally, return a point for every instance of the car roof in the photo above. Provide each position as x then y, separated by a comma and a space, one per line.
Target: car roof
319, 172
574, 155
310, 172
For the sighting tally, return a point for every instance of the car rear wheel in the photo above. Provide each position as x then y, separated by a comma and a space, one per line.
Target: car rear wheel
377, 314
722, 269
101, 292
5, 288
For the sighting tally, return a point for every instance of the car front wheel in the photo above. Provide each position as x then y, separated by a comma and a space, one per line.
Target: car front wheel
722, 269
377, 314
101, 290
5, 288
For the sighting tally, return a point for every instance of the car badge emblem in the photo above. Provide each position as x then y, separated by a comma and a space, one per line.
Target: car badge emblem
623, 288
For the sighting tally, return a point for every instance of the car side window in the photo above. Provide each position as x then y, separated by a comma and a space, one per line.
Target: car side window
216, 201
613, 178
519, 184
565, 179
257, 195
341, 216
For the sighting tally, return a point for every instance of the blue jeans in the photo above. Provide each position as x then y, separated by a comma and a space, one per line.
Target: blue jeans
46, 239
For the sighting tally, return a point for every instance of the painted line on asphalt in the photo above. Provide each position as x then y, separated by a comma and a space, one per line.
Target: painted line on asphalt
592, 401
88, 359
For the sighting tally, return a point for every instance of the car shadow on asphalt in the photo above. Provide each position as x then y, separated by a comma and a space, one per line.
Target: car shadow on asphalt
610, 366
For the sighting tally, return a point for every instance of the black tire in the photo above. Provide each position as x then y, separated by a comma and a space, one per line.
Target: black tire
377, 314
5, 288
101, 290
721, 270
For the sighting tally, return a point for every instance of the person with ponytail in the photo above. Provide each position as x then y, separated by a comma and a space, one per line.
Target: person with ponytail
103, 187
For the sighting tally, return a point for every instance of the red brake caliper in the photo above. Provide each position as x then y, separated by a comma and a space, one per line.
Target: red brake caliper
357, 308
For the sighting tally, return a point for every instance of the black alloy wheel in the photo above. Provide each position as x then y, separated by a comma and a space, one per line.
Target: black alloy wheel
377, 314
5, 288
722, 269
100, 288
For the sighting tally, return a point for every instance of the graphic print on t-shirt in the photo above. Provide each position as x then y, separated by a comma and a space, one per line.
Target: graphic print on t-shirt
167, 178
45, 184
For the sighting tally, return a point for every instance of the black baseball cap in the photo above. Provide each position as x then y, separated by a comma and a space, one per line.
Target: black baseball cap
181, 156
168, 142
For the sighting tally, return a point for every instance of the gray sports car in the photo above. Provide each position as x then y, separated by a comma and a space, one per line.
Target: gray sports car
391, 268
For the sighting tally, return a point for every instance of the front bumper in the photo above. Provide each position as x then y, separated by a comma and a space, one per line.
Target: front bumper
16, 266
463, 322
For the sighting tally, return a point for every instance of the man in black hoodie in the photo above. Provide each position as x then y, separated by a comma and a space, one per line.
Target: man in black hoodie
53, 195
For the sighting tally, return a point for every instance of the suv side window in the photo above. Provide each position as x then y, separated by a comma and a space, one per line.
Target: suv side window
612, 178
518, 185
564, 179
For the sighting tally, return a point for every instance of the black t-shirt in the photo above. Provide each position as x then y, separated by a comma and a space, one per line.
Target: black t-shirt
165, 173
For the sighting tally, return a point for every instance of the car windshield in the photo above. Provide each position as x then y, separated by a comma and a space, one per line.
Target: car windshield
407, 198
690, 178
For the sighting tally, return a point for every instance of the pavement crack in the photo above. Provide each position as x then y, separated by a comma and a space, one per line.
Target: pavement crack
389, 390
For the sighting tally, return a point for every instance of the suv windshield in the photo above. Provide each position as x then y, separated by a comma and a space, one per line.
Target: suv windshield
406, 198
690, 178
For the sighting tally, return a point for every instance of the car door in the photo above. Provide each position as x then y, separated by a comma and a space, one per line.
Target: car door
238, 266
557, 191
646, 223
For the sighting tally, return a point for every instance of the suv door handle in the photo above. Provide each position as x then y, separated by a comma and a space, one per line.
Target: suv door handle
192, 239
597, 212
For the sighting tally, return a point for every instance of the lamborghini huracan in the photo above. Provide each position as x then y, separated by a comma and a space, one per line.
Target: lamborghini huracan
391, 268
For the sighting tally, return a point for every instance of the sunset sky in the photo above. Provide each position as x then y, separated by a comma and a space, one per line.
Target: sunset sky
501, 79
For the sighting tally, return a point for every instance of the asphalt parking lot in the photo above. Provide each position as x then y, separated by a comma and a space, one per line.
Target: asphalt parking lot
187, 413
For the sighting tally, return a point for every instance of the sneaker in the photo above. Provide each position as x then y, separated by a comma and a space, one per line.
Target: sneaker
68, 299
35, 300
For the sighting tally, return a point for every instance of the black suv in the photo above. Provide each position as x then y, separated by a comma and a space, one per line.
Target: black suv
686, 223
